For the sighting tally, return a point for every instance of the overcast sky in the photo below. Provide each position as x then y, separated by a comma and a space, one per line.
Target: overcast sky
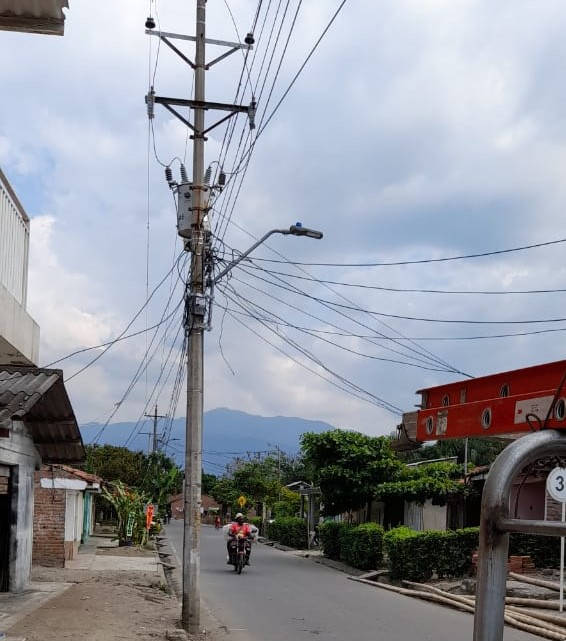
417, 130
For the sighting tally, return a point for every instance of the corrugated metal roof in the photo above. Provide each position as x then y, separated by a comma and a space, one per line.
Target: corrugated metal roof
38, 398
33, 16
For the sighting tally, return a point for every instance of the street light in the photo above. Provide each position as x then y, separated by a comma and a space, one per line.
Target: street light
294, 230
299, 230
190, 615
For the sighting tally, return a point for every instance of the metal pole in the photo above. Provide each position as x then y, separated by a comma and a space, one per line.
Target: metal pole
195, 333
562, 561
495, 525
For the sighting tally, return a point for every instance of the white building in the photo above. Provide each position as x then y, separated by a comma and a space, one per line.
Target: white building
37, 422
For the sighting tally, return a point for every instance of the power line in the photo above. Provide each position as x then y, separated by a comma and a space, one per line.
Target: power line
416, 262
382, 288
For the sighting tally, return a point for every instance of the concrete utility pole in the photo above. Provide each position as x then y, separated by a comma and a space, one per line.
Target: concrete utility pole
192, 205
154, 416
195, 355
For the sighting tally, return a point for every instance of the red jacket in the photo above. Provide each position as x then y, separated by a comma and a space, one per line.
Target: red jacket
235, 528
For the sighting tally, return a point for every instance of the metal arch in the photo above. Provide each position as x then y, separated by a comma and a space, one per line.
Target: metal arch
495, 525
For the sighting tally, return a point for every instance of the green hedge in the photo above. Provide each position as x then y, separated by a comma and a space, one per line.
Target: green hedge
415, 556
543, 550
331, 535
362, 546
290, 531
256, 520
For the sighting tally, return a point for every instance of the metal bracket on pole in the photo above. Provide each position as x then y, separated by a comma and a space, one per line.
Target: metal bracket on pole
496, 524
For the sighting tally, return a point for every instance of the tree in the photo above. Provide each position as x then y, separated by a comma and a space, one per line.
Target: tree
154, 475
349, 467
129, 506
208, 482
115, 464
481, 451
225, 493
438, 482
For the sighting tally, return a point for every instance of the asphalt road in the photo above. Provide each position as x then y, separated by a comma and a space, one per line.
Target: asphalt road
283, 597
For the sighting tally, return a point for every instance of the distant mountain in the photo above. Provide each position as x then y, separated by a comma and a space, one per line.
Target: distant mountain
226, 434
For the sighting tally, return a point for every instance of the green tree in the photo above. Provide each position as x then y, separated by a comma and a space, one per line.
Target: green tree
438, 482
155, 475
481, 451
161, 479
349, 466
115, 464
208, 482
225, 493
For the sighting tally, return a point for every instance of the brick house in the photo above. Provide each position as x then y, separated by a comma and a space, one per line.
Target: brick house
63, 513
209, 510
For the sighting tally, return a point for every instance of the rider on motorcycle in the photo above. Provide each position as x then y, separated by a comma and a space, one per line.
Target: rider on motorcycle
239, 527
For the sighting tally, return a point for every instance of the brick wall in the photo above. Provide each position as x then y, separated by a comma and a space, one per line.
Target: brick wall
48, 522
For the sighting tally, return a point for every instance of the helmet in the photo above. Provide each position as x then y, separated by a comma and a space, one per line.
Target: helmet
239, 516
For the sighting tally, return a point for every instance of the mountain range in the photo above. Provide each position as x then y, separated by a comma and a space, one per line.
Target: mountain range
226, 434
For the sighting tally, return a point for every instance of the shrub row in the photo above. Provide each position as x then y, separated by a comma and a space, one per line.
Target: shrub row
360, 546
416, 556
290, 531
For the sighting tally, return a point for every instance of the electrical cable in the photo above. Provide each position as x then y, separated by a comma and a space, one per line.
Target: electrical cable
377, 401
407, 290
420, 262
277, 320
415, 348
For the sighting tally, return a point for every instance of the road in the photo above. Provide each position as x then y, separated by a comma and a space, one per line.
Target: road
284, 597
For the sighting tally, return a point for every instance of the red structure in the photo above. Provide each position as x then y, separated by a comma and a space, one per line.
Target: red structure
521, 400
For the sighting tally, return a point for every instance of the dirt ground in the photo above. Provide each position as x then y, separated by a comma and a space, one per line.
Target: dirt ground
101, 606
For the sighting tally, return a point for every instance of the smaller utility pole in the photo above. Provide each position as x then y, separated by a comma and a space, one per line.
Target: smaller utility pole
154, 416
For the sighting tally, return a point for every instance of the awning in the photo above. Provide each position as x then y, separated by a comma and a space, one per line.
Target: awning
33, 16
38, 398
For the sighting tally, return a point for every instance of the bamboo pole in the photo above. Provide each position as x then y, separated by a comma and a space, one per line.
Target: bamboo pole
534, 581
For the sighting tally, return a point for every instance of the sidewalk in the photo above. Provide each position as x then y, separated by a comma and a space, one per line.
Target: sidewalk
106, 593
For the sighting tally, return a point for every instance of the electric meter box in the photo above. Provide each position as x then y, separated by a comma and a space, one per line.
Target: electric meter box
184, 212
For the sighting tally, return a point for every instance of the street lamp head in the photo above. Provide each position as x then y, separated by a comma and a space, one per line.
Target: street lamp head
298, 230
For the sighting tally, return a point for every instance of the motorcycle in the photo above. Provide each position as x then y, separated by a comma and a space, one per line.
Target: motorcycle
238, 552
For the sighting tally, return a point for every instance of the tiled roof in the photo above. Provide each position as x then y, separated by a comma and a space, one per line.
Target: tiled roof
38, 398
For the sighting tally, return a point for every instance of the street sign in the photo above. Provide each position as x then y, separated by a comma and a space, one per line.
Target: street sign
242, 501
556, 484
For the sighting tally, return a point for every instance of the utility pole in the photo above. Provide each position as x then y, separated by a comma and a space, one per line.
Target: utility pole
155, 441
192, 206
195, 355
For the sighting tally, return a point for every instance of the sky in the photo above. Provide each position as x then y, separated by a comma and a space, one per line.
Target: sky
408, 131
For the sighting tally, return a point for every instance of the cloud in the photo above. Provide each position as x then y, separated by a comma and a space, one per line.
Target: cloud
416, 131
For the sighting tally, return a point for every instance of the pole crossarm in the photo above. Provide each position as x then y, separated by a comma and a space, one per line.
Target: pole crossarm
199, 104
164, 36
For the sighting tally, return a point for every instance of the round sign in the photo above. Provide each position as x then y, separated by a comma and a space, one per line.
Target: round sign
556, 484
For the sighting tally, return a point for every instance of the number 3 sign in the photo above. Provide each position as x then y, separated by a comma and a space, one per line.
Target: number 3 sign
556, 484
